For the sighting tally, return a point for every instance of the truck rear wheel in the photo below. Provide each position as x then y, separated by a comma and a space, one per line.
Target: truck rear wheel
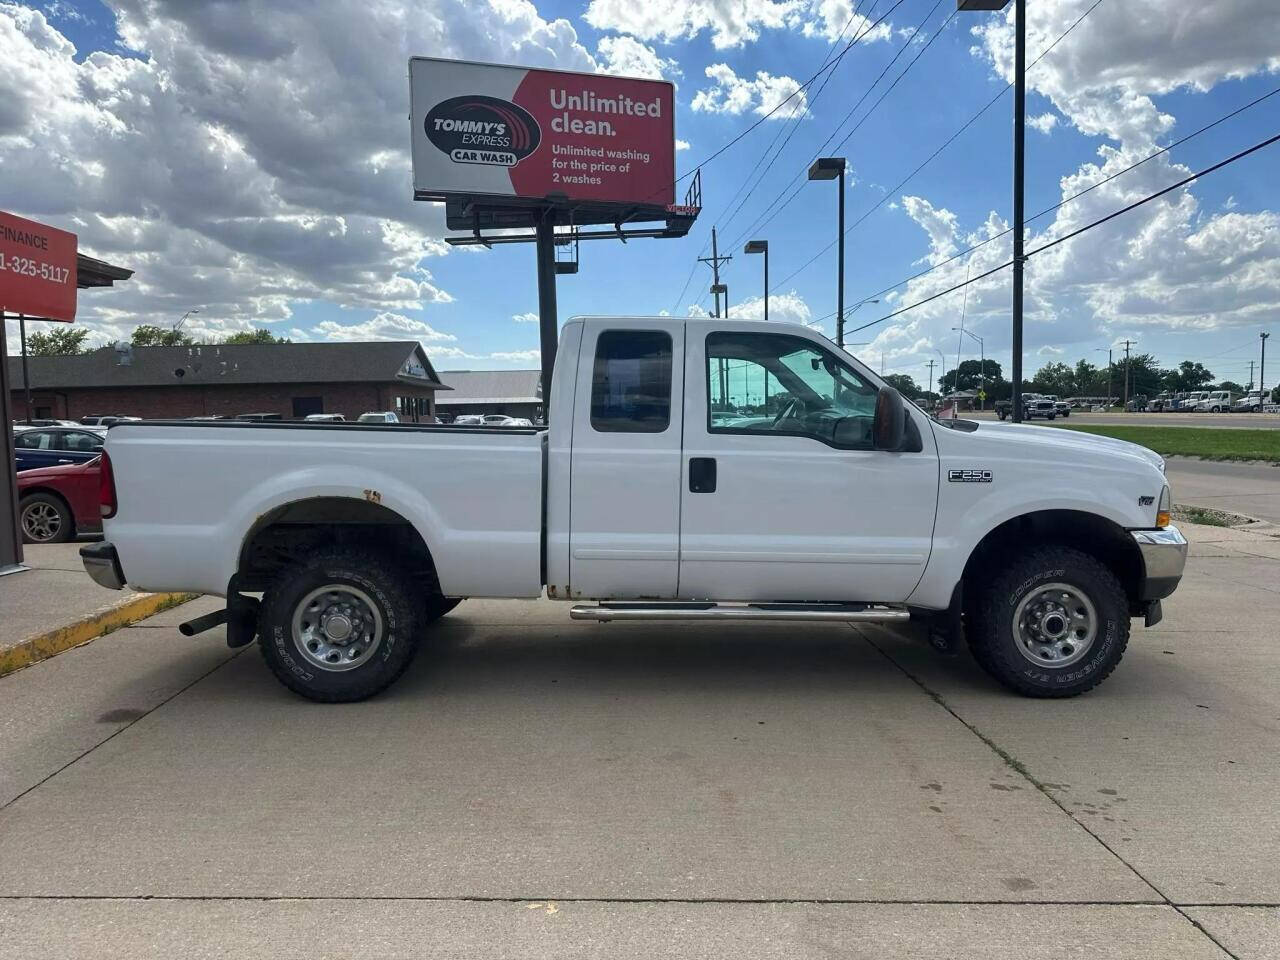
339, 627
1053, 623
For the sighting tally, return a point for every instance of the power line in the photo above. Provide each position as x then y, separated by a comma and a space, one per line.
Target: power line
1075, 233
1074, 196
795, 121
769, 212
933, 156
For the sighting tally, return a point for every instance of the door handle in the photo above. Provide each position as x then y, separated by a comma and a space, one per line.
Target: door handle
702, 475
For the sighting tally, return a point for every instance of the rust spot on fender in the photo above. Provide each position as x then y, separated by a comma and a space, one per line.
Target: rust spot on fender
373, 496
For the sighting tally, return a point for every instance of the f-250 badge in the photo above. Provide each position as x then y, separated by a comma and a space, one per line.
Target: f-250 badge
969, 476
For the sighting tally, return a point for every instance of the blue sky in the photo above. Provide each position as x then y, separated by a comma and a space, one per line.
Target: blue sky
250, 160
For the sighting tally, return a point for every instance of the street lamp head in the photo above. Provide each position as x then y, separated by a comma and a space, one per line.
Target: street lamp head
756, 246
980, 5
827, 168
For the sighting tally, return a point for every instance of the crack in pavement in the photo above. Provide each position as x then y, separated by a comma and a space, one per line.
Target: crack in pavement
1017, 765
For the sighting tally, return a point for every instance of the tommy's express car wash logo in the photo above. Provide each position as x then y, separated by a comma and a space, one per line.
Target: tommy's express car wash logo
482, 130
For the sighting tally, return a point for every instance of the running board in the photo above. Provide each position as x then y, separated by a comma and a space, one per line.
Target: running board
829, 612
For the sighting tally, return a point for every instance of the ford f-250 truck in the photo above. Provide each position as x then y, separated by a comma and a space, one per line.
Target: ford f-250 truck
693, 470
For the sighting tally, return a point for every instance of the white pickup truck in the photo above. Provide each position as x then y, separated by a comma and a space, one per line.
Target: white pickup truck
693, 470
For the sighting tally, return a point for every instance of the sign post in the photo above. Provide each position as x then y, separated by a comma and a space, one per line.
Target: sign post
509, 148
37, 278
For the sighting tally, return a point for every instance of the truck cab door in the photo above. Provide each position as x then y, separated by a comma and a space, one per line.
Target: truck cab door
624, 537
784, 497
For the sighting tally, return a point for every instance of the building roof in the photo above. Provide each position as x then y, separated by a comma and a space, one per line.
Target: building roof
401, 361
98, 273
492, 386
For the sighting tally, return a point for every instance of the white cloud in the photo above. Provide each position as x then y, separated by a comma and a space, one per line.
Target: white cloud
1048, 350
730, 22
1045, 122
252, 155
529, 317
787, 307
733, 94
681, 144
1230, 203
1103, 75
383, 326
628, 57
835, 20
516, 356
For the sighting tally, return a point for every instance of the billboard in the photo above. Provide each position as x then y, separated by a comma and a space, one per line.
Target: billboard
37, 269
490, 131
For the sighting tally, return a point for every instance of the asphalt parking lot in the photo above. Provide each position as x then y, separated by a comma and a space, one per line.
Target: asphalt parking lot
536, 787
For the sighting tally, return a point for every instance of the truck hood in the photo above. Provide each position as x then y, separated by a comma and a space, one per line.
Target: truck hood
1070, 442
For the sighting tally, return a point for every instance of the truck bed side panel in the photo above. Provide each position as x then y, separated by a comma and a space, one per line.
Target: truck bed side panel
190, 493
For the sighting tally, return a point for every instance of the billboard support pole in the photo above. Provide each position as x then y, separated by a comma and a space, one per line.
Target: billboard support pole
547, 321
26, 379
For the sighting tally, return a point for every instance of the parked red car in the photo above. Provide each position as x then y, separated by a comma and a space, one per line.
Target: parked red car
57, 503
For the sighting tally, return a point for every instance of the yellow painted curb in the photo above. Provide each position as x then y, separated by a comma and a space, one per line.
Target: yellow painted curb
50, 644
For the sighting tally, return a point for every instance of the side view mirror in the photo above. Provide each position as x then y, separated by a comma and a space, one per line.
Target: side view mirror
889, 427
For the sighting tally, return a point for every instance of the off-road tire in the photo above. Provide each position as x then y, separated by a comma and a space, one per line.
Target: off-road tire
991, 633
49, 501
367, 571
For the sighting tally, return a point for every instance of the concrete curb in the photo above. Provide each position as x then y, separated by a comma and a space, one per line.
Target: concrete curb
50, 644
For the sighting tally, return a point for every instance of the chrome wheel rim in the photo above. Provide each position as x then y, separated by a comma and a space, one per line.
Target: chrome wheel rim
1055, 625
40, 521
337, 627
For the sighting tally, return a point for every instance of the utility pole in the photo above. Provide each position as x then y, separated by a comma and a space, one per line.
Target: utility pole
932, 364
1019, 141
1262, 371
1126, 372
717, 287
1250, 387
26, 378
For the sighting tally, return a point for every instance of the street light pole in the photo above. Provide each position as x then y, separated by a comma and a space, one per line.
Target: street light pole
761, 246
1099, 350
832, 168
1019, 143
1262, 370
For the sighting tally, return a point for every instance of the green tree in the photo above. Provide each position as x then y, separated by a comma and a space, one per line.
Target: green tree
1190, 375
255, 336
1055, 378
1230, 385
149, 335
970, 375
905, 384
1086, 380
61, 341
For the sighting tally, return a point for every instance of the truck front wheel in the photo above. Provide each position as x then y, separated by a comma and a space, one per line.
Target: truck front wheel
1053, 623
339, 627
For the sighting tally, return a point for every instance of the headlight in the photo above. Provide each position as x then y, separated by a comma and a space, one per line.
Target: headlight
1163, 519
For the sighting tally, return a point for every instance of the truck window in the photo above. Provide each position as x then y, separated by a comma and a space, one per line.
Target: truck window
631, 382
769, 383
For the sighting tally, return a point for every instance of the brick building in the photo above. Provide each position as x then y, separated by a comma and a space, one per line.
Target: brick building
291, 379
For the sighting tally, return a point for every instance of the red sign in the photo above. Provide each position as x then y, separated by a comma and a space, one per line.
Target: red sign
37, 269
498, 131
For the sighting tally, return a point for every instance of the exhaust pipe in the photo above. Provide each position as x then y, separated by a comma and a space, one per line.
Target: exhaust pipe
201, 624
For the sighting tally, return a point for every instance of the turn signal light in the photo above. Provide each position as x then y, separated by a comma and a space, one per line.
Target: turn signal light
106, 487
1163, 519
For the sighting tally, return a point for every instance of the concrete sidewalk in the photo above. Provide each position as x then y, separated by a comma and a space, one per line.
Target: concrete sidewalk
536, 787
53, 606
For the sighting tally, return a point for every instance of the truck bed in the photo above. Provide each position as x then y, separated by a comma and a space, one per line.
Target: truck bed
189, 493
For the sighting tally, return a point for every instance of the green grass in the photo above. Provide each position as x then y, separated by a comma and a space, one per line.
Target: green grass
1203, 442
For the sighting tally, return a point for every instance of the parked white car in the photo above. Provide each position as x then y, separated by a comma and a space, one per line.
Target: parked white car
325, 418
380, 416
841, 503
468, 420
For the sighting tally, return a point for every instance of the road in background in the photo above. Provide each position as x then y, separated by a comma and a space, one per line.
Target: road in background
1252, 489
1227, 421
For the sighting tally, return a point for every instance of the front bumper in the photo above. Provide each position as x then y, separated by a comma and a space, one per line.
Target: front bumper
103, 564
1164, 556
